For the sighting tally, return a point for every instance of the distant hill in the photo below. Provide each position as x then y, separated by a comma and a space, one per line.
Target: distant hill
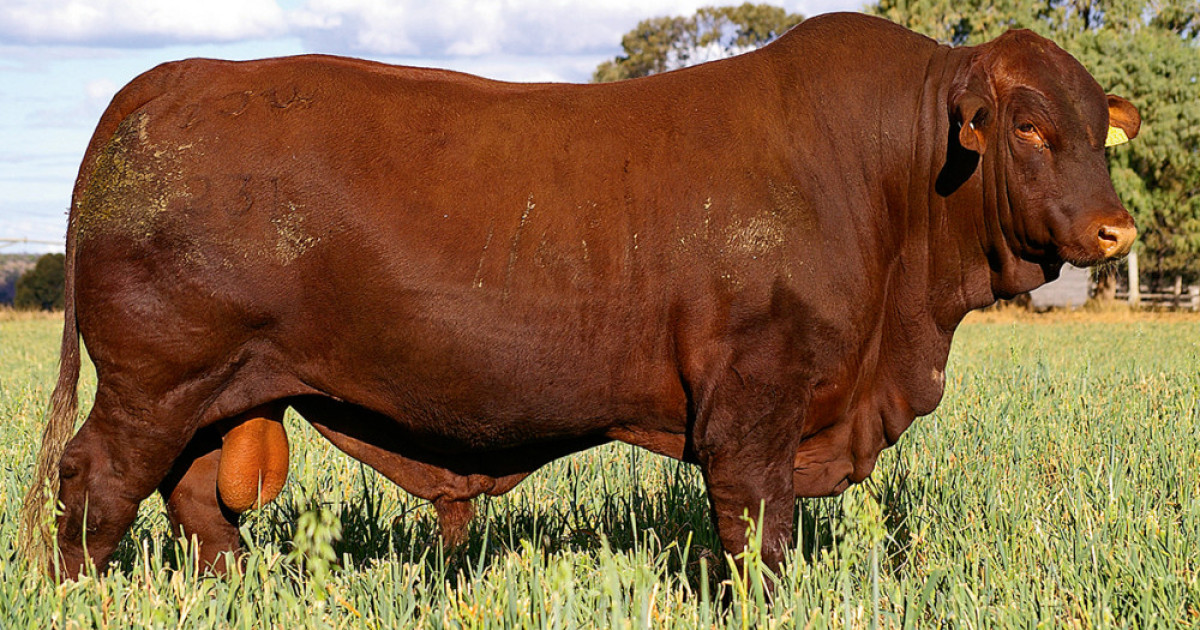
11, 268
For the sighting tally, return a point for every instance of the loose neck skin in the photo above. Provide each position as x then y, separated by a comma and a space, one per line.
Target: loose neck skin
941, 269
954, 209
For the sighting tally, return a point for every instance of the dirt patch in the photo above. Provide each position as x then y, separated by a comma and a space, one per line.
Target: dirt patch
132, 182
291, 239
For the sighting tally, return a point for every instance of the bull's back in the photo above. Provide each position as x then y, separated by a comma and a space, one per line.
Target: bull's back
255, 149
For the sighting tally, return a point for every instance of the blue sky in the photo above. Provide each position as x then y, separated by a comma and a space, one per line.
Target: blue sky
62, 60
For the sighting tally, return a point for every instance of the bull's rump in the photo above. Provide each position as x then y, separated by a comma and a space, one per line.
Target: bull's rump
451, 252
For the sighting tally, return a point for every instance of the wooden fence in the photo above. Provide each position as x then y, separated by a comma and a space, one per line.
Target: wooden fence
1185, 298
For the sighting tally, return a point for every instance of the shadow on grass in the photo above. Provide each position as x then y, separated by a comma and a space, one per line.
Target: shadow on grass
673, 510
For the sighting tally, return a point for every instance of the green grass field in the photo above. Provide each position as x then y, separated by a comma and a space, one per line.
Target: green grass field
1058, 485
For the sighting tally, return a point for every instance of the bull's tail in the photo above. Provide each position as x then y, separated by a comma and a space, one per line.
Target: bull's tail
36, 537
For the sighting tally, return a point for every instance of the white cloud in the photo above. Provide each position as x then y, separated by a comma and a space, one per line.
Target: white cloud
83, 111
816, 7
467, 28
137, 23
472, 28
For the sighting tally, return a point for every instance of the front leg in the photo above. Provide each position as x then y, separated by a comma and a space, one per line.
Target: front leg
746, 440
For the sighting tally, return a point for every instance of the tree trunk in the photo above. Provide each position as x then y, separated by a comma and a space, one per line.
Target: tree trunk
1106, 286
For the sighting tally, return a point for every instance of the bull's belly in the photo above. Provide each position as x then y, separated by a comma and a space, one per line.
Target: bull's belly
465, 394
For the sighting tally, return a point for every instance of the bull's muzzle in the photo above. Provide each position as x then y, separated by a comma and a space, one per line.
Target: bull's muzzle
1116, 239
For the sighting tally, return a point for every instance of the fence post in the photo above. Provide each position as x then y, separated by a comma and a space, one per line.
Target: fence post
1194, 292
1135, 284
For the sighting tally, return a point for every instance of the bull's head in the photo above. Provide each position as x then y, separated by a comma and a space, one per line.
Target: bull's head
1044, 123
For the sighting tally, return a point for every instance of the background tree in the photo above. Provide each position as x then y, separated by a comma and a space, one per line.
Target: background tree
1144, 50
667, 43
12, 267
42, 286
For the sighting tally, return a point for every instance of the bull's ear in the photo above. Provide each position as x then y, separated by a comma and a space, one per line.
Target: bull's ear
1124, 121
973, 115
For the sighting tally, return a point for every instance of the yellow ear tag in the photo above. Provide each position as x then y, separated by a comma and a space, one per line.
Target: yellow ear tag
1116, 135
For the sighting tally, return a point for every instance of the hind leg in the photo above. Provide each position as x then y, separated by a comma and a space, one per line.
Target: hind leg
120, 455
193, 505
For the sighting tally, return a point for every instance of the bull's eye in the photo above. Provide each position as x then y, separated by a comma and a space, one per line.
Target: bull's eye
1028, 132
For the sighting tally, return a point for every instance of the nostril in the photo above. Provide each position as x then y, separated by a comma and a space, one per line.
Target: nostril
1115, 240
